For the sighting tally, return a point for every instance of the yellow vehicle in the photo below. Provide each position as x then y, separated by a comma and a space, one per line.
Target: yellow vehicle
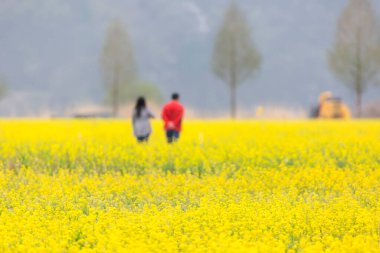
332, 108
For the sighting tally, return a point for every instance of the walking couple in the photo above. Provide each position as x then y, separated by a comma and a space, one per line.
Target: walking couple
172, 114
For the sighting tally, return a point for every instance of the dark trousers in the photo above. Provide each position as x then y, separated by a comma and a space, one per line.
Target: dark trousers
143, 138
172, 135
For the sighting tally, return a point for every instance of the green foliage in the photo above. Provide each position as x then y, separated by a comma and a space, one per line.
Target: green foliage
235, 57
130, 92
148, 90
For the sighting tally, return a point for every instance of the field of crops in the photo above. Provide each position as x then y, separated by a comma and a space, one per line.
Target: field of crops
247, 186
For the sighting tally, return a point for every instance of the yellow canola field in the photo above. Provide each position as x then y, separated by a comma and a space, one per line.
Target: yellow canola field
226, 186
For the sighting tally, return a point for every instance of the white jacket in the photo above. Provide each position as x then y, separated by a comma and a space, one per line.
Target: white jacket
141, 125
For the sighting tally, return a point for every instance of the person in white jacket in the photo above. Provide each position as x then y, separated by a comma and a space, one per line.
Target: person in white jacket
141, 120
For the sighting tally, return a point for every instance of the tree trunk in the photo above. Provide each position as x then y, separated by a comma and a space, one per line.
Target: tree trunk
115, 101
359, 104
233, 100
359, 75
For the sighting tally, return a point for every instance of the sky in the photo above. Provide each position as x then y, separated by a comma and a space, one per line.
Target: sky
50, 49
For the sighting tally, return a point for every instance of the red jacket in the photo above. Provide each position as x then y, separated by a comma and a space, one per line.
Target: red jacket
172, 114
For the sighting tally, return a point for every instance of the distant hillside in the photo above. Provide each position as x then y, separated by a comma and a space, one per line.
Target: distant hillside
50, 49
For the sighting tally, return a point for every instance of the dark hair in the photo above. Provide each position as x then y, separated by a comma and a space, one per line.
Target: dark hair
175, 96
140, 105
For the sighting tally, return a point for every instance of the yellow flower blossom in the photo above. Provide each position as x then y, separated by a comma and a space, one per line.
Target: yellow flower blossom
226, 186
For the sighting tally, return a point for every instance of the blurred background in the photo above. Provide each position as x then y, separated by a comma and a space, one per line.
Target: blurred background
83, 58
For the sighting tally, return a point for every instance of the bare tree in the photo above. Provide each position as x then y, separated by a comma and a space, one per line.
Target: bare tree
235, 58
355, 58
118, 64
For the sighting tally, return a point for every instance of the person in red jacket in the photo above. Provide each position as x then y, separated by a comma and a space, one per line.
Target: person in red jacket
172, 114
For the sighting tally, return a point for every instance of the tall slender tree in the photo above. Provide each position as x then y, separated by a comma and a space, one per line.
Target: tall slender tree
355, 58
235, 58
118, 65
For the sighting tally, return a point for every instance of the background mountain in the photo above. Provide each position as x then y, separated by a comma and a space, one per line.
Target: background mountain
49, 51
